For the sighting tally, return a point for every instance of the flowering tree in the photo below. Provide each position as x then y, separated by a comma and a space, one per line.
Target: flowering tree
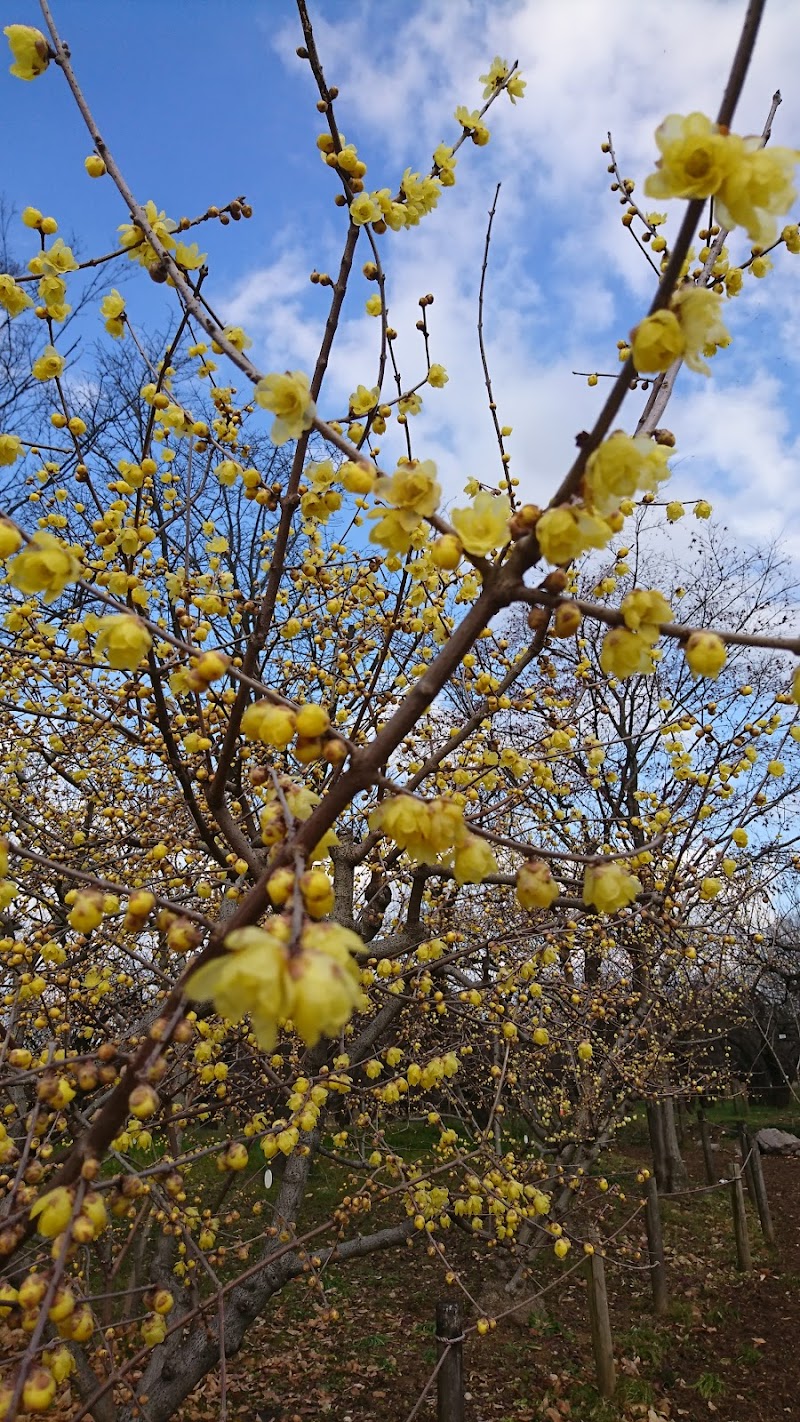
296, 831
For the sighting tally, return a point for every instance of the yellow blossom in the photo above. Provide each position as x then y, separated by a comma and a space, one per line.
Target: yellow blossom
424, 830
675, 510
395, 529
563, 533
112, 309
609, 886
625, 653
474, 860
437, 376
250, 977
123, 640
30, 51
699, 312
289, 399
10, 539
657, 341
620, 466
13, 298
536, 888
45, 566
757, 188
696, 157
324, 981
49, 364
364, 209
272, 725
413, 487
53, 1212
10, 449
363, 400
705, 654
484, 526
702, 509
709, 888
645, 605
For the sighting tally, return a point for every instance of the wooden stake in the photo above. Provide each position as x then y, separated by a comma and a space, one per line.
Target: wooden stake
602, 1342
743, 1257
450, 1377
655, 1247
759, 1187
708, 1159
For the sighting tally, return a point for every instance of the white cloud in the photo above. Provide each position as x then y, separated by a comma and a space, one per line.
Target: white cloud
565, 280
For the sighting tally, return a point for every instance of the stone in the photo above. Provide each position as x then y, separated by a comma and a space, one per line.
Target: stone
773, 1142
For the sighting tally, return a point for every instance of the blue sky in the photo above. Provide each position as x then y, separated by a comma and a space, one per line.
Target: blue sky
201, 102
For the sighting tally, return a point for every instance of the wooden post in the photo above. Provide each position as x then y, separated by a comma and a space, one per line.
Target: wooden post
602, 1342
450, 1377
655, 1247
708, 1159
747, 1164
679, 1113
743, 1258
759, 1187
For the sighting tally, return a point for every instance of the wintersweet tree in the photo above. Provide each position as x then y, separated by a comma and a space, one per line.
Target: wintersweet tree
297, 829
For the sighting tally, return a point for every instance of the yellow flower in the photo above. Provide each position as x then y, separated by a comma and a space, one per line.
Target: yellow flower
474, 860
123, 640
675, 510
645, 606
413, 487
250, 977
94, 165
13, 298
39, 1390
364, 209
473, 124
363, 400
757, 189
484, 526
131, 236
10, 449
53, 1212
776, 768
437, 376
563, 533
87, 911
324, 981
272, 725
710, 888
46, 566
657, 341
609, 886
49, 364
395, 529
317, 891
10, 540
702, 509
705, 654
536, 887
699, 312
289, 399
619, 467
30, 50
625, 653
424, 830
740, 837
237, 337
695, 158
112, 308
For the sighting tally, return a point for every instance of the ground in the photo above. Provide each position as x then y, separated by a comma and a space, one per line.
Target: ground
727, 1348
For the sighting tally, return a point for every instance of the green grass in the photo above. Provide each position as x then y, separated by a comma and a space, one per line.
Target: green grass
709, 1386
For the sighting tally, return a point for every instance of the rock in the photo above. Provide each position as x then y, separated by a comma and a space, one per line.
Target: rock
772, 1142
